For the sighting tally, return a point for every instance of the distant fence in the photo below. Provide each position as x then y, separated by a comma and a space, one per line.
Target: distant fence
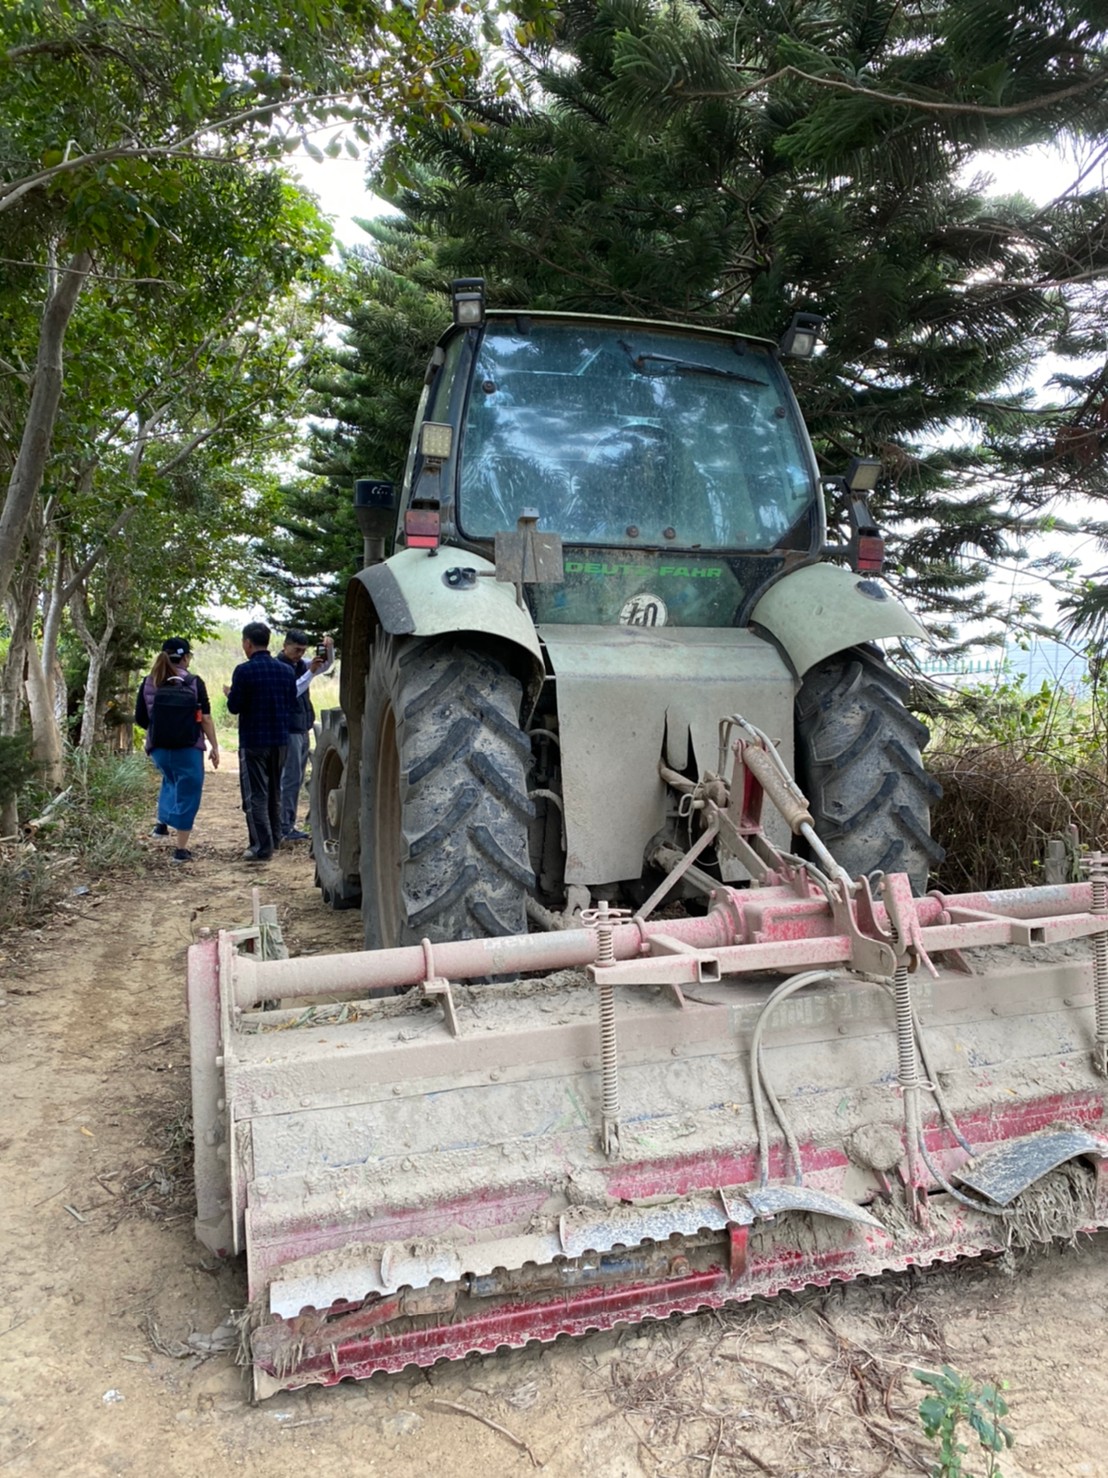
1039, 662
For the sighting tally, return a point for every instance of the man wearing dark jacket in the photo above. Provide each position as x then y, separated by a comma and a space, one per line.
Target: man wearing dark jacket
300, 731
263, 695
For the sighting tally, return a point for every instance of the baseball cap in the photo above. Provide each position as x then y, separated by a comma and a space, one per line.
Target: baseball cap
176, 646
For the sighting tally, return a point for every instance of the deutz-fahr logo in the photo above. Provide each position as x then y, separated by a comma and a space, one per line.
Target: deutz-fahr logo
681, 572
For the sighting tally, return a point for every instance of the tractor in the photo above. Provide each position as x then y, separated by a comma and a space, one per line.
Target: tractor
620, 1047
610, 535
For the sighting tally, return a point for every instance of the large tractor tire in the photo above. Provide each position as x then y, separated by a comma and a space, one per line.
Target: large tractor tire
445, 809
858, 761
327, 795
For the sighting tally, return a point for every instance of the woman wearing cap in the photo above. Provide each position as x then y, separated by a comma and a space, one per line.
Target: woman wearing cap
182, 770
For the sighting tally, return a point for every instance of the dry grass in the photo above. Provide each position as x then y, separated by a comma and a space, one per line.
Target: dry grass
828, 1390
1018, 768
160, 1189
1000, 806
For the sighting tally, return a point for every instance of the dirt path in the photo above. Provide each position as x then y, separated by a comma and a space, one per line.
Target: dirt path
102, 1284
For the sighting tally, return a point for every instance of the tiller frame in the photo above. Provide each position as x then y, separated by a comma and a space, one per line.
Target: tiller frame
319, 1148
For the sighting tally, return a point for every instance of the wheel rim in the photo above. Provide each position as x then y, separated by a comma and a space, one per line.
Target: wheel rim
332, 782
387, 828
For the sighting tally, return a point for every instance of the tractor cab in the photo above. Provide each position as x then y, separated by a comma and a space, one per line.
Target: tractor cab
673, 463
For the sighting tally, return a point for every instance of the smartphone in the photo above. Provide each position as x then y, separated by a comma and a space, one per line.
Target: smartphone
321, 650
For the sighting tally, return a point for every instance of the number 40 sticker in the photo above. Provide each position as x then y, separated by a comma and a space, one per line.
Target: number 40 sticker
643, 610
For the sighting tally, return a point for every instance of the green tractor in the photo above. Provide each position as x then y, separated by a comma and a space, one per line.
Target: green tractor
610, 537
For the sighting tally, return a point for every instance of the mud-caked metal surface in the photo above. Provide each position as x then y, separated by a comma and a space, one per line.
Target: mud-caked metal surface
414, 1178
628, 694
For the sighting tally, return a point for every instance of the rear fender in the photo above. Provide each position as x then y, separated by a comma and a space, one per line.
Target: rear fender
822, 609
416, 593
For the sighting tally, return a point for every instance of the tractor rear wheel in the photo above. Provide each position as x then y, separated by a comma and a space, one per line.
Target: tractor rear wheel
445, 810
858, 761
340, 889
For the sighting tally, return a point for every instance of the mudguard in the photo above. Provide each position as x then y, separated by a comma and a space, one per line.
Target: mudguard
821, 609
430, 593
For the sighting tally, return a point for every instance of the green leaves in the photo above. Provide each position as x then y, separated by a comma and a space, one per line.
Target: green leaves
955, 1400
673, 162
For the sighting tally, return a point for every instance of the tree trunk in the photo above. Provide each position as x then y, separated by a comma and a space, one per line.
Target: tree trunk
26, 478
46, 736
51, 626
92, 693
97, 651
61, 696
27, 680
11, 711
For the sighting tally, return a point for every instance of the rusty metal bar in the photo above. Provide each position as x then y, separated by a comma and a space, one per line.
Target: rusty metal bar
378, 971
213, 1217
747, 929
1018, 903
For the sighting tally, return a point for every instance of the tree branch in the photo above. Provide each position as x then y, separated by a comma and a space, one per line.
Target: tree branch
977, 110
185, 146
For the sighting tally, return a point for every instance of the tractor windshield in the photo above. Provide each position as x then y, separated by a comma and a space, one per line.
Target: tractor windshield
623, 435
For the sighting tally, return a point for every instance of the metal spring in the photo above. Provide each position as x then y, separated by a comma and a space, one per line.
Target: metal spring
906, 1056
1097, 865
609, 1051
609, 1059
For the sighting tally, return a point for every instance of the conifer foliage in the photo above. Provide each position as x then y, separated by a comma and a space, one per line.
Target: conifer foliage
730, 161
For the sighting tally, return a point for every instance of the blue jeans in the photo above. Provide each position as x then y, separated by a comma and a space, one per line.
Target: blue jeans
292, 779
182, 772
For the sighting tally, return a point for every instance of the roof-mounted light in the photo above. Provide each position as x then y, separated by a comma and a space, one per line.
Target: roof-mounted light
436, 441
802, 335
862, 474
467, 297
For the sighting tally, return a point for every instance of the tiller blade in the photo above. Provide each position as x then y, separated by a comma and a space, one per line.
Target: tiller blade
803, 1085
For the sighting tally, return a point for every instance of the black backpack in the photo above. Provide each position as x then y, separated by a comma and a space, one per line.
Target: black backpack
175, 715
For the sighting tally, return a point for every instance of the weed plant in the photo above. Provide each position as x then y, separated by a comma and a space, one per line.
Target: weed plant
1017, 768
90, 828
17, 768
955, 1403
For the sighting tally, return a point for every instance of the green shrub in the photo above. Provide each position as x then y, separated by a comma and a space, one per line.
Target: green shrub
113, 794
1017, 769
955, 1402
31, 885
17, 768
87, 829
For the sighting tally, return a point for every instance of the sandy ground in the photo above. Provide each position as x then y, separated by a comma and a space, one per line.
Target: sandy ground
102, 1285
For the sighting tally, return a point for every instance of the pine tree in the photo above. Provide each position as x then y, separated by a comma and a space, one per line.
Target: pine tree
728, 163
392, 306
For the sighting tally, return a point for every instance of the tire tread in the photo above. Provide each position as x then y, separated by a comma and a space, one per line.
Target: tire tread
859, 762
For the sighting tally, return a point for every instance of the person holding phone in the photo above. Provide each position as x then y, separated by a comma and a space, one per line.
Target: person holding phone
293, 654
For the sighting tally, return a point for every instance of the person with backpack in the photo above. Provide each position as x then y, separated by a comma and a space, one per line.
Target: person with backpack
173, 707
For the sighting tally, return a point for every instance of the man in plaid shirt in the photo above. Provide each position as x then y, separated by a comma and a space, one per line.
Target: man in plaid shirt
263, 695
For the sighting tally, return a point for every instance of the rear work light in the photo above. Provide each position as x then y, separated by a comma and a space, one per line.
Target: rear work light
421, 528
869, 554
